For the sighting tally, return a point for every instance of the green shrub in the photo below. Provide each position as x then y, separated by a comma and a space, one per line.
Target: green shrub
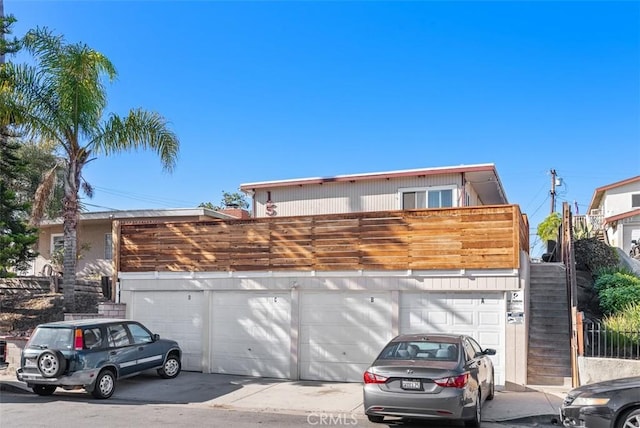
613, 269
623, 328
615, 299
615, 279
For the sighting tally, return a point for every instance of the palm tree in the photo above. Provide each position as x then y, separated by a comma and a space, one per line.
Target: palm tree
62, 99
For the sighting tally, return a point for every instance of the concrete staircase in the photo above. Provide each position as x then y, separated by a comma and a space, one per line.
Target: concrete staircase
549, 356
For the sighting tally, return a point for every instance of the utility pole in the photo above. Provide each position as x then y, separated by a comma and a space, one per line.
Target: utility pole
553, 191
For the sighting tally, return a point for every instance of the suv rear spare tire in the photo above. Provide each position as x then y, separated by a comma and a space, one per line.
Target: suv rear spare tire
51, 363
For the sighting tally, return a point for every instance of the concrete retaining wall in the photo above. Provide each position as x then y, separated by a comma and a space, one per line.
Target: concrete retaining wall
593, 370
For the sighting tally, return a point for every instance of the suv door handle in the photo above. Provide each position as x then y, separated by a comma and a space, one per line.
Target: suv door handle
112, 353
141, 348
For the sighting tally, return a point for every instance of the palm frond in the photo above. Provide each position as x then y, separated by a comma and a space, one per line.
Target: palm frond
42, 196
139, 130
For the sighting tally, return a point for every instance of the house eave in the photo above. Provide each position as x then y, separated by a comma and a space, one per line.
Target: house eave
479, 174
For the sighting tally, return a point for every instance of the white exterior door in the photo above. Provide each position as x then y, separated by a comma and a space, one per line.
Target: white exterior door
341, 333
251, 333
479, 315
176, 315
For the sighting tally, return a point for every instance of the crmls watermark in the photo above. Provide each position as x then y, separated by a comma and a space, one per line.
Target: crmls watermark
332, 419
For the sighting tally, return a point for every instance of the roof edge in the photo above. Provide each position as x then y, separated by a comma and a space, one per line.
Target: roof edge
368, 176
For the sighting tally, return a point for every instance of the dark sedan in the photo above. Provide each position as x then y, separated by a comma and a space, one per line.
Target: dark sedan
430, 376
611, 404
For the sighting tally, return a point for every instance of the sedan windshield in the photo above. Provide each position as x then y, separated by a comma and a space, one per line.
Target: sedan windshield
421, 350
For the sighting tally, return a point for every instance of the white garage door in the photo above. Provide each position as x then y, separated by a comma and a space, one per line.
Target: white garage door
479, 315
173, 315
251, 333
341, 333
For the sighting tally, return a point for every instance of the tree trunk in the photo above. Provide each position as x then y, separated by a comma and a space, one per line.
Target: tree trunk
70, 216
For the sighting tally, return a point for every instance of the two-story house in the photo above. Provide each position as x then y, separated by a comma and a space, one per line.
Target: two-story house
618, 205
327, 270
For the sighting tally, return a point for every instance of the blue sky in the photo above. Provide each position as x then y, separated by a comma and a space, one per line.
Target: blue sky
270, 90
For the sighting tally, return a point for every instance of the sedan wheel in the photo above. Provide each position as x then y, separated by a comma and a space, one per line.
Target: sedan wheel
43, 389
492, 388
171, 368
630, 419
105, 385
475, 422
375, 419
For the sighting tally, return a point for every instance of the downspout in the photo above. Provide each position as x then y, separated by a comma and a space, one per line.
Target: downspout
253, 203
463, 195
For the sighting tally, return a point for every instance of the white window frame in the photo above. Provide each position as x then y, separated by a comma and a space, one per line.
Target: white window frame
108, 249
403, 190
52, 248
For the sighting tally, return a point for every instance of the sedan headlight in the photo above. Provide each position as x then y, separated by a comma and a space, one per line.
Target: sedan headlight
590, 401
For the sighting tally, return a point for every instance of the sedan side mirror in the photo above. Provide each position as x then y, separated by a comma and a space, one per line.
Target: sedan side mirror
489, 351
156, 337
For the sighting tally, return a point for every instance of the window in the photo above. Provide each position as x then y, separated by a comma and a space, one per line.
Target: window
427, 198
57, 242
635, 200
440, 198
118, 336
140, 335
92, 338
413, 200
108, 246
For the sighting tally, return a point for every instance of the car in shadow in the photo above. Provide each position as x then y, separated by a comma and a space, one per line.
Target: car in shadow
92, 354
613, 404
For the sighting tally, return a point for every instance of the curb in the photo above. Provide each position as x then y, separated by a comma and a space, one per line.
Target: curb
536, 419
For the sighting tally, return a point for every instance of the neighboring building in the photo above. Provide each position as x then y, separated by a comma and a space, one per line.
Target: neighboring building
95, 243
618, 205
458, 186
328, 269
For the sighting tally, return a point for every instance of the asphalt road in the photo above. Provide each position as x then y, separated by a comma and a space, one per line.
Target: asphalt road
69, 410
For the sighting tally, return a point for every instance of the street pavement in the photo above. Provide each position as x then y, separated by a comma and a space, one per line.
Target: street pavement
244, 393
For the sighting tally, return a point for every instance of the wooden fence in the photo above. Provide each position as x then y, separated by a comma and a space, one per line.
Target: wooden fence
482, 237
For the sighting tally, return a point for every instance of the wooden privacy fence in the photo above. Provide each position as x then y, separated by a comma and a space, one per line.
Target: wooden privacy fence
483, 237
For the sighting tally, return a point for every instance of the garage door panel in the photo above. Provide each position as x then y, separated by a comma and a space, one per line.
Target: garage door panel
176, 315
250, 333
341, 333
480, 315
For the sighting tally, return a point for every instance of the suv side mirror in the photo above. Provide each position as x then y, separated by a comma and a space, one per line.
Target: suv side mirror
156, 337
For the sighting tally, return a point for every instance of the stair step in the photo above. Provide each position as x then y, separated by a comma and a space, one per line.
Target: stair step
534, 379
549, 361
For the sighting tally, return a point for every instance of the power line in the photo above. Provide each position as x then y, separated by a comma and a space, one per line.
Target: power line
166, 202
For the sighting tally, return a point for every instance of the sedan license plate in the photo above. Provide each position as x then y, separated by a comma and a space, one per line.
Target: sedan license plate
413, 384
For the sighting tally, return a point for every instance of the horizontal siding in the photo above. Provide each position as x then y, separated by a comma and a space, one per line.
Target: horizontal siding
486, 237
341, 197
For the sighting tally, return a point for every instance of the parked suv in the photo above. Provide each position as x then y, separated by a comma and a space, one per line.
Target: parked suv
92, 354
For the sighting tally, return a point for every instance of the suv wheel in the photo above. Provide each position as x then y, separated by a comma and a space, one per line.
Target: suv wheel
171, 367
43, 389
51, 363
105, 385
